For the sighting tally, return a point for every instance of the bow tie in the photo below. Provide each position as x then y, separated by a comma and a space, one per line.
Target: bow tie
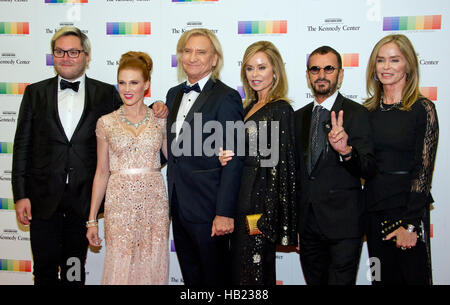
68, 85
187, 89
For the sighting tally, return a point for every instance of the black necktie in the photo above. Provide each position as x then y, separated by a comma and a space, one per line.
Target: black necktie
187, 89
316, 146
68, 85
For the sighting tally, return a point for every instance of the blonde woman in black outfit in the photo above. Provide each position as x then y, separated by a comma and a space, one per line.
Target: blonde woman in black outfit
405, 133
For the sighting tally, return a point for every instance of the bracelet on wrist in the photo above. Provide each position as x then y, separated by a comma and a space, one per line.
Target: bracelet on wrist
410, 228
92, 223
348, 154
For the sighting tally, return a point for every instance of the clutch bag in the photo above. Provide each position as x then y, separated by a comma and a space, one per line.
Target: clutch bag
252, 221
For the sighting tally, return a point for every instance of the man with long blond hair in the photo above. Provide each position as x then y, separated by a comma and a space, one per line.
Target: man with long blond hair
202, 195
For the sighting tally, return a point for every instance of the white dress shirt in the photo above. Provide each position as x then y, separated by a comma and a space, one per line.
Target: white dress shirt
328, 103
187, 101
70, 106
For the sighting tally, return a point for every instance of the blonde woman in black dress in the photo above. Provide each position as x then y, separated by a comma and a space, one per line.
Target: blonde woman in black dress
405, 133
268, 182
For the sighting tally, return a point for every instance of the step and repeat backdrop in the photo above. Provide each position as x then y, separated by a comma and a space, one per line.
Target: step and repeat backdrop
154, 26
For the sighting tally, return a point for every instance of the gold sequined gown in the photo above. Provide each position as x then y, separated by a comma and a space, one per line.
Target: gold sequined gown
136, 216
265, 189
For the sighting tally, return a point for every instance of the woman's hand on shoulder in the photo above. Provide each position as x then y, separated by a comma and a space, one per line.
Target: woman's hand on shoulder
225, 156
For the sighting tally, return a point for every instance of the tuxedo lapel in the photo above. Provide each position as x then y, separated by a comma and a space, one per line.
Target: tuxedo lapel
90, 89
337, 106
305, 131
52, 98
173, 114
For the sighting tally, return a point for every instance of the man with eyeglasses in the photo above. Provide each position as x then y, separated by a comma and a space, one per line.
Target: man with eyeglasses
54, 159
334, 151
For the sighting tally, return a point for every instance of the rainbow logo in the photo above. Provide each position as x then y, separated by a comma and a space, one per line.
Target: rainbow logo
16, 28
13, 88
350, 60
241, 91
262, 27
195, 0
49, 59
411, 23
128, 28
429, 92
174, 61
15, 265
6, 147
172, 246
6, 204
66, 1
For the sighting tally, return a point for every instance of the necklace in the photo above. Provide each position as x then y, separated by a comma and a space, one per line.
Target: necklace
128, 122
389, 107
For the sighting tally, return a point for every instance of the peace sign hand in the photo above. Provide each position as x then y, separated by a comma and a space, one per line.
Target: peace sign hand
337, 136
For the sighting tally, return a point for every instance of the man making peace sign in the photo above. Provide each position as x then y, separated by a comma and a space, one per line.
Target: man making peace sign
334, 151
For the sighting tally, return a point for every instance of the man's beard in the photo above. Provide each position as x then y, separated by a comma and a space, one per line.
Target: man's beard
332, 87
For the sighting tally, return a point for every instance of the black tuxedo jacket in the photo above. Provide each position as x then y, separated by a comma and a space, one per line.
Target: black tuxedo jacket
333, 188
203, 187
43, 155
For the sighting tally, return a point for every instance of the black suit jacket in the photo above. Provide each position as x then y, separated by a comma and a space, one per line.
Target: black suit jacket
333, 188
43, 155
203, 187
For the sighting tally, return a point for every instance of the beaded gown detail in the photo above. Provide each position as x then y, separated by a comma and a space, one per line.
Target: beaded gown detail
268, 189
136, 216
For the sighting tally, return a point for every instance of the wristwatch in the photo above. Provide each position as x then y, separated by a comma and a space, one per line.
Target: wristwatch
348, 154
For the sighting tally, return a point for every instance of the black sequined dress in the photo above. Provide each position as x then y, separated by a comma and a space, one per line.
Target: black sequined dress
267, 187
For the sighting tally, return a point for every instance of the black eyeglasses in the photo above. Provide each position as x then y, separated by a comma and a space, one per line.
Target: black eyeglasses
316, 69
72, 53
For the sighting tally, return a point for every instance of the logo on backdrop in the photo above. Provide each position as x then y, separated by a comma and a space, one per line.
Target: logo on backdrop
14, 235
6, 148
333, 25
67, 1
349, 60
13, 88
8, 117
412, 23
51, 31
15, 265
190, 1
353, 97
262, 27
7, 204
191, 25
430, 93
14, 28
128, 28
427, 61
9, 58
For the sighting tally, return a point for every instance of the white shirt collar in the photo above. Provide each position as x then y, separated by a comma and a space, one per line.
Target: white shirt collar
201, 82
329, 102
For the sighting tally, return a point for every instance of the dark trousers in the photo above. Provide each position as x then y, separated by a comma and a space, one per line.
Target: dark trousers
59, 247
204, 260
328, 261
397, 266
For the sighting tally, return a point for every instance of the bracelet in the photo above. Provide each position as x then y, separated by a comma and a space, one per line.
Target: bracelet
92, 223
410, 228
348, 154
